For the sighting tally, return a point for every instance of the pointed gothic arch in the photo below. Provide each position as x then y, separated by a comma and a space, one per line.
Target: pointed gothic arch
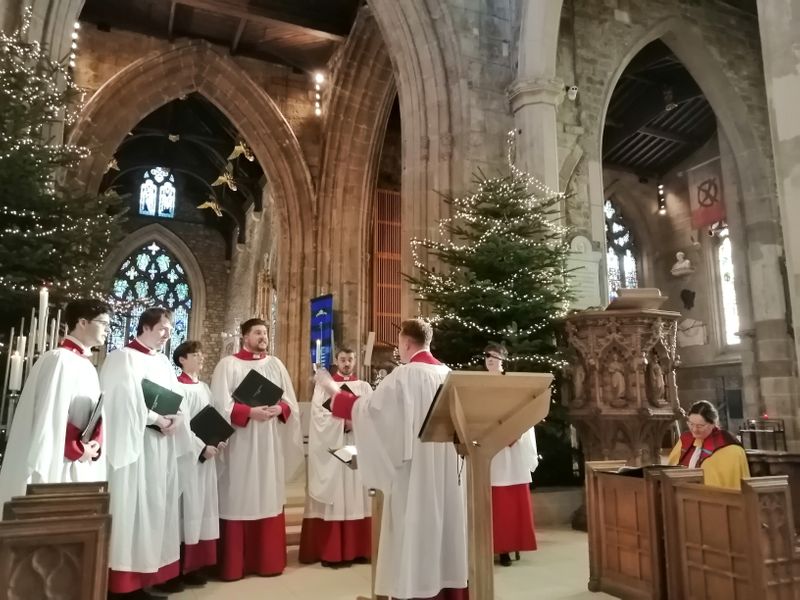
195, 66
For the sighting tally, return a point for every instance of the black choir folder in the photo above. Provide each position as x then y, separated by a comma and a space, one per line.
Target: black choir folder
257, 390
210, 426
94, 418
160, 399
327, 404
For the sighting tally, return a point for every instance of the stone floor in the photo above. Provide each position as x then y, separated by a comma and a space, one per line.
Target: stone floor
559, 570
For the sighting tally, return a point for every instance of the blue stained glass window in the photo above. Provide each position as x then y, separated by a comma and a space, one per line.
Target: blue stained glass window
150, 276
157, 194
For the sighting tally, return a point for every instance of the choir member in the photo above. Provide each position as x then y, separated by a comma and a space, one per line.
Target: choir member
512, 512
54, 408
336, 525
423, 546
705, 446
198, 477
265, 451
143, 452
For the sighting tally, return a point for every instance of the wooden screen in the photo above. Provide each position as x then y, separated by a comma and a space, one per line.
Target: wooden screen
386, 277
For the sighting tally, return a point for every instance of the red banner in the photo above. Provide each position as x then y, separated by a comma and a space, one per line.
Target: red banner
706, 194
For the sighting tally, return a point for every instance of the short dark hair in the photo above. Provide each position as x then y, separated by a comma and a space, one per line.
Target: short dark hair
705, 409
418, 330
344, 350
498, 348
84, 308
184, 349
152, 317
250, 323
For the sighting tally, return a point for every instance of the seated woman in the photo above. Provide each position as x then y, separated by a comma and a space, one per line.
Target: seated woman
710, 448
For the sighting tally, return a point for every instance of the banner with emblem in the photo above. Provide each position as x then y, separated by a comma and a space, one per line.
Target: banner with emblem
706, 194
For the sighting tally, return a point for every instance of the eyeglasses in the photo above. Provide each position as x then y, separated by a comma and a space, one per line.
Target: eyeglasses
698, 425
105, 324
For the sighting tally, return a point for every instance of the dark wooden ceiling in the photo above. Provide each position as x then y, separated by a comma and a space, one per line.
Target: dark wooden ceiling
657, 117
299, 33
193, 139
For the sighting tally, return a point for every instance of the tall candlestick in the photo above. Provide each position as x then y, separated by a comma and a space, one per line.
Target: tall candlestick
52, 342
44, 299
15, 378
21, 343
32, 338
4, 387
58, 326
319, 352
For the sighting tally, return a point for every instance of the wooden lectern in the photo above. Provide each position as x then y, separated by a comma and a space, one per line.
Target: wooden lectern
482, 413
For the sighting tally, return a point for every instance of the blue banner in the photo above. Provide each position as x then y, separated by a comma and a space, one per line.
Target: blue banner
322, 330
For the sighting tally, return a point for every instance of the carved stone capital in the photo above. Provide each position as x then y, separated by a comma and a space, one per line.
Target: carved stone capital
537, 91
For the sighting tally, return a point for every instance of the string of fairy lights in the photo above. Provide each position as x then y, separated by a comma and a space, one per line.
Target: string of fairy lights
37, 92
531, 225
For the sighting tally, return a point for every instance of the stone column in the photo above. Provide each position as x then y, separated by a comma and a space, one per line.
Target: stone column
779, 23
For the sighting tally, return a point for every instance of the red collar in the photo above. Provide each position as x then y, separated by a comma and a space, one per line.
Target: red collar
247, 355
68, 344
135, 344
338, 377
184, 378
425, 357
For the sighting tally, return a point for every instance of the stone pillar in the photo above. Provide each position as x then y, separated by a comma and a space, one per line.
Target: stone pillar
779, 23
534, 104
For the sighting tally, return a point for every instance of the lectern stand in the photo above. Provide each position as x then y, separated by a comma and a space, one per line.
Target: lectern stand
482, 413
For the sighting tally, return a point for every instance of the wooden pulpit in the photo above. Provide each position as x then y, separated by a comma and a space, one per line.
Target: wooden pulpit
482, 413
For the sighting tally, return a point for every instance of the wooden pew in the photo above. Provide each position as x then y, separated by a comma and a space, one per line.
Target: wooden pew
764, 463
92, 487
626, 547
731, 544
54, 558
56, 505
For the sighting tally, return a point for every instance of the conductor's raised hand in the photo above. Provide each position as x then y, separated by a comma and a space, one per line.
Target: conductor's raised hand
325, 381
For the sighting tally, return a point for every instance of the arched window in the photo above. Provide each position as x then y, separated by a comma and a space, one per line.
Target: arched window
150, 276
157, 193
730, 311
620, 253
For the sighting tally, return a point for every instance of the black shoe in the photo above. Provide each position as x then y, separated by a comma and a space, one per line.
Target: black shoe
334, 565
173, 586
137, 595
505, 559
361, 560
195, 578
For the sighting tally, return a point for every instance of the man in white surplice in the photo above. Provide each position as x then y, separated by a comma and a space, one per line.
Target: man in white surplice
143, 452
265, 451
423, 545
336, 525
55, 407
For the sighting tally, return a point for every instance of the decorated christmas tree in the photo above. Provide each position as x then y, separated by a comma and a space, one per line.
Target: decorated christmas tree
53, 233
500, 275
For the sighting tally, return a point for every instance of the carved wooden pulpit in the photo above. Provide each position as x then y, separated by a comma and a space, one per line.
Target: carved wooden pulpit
622, 395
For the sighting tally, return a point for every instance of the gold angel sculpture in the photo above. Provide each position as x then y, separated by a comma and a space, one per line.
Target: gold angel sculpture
226, 178
213, 205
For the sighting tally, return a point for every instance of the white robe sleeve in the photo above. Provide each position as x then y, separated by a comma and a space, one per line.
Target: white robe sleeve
221, 389
384, 435
528, 442
290, 431
325, 432
124, 408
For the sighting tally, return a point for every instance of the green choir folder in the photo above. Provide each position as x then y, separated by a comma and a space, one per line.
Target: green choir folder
160, 399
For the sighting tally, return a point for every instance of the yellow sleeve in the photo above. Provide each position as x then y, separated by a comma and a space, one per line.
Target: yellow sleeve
675, 454
726, 468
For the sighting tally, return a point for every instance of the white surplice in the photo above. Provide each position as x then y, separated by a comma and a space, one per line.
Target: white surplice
513, 465
335, 491
260, 457
143, 464
62, 387
199, 499
423, 544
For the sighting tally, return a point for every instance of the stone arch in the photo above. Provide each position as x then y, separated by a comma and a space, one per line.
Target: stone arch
364, 91
178, 248
434, 102
195, 66
753, 179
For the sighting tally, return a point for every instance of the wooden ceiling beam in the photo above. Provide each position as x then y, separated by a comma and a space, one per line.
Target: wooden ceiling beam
667, 135
243, 10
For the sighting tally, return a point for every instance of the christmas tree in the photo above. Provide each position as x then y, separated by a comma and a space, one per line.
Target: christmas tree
53, 233
500, 275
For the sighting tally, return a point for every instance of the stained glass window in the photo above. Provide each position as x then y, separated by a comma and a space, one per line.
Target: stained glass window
620, 255
730, 311
157, 193
150, 276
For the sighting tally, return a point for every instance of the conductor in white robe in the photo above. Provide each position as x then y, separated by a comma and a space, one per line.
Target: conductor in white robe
143, 452
336, 525
54, 408
423, 541
512, 511
265, 451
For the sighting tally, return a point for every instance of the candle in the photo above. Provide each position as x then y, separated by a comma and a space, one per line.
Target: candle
32, 338
44, 298
52, 333
15, 378
21, 343
58, 326
319, 352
